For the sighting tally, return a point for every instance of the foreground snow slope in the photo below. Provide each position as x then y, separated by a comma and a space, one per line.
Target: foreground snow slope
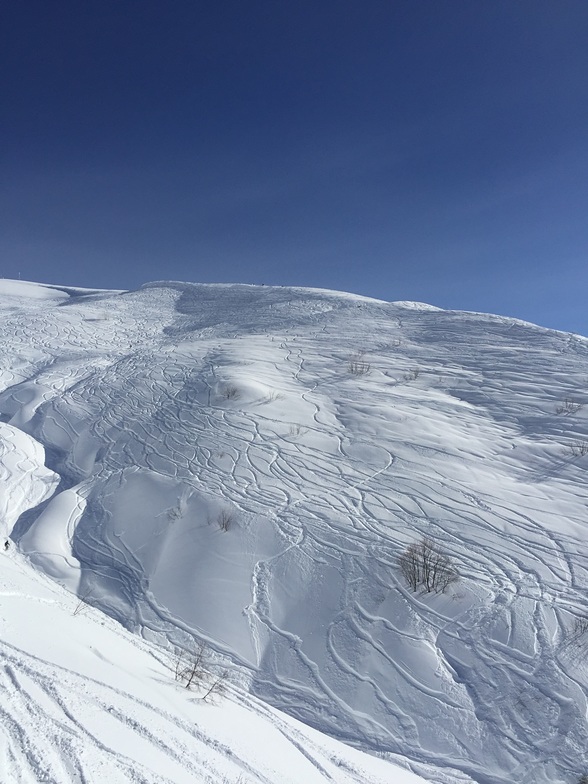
246, 464
82, 701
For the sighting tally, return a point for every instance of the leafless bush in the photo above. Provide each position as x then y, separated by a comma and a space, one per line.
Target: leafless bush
568, 407
297, 430
577, 448
575, 643
231, 392
225, 519
580, 626
358, 366
424, 563
412, 375
273, 396
240, 780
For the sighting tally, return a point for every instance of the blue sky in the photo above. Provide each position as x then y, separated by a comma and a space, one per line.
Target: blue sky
433, 150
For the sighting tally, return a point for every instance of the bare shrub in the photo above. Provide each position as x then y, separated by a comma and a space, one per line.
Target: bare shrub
297, 430
424, 563
568, 407
575, 643
412, 375
580, 627
225, 519
272, 396
231, 392
357, 364
577, 448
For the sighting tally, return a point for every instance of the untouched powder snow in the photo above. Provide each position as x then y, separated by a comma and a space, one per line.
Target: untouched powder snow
244, 465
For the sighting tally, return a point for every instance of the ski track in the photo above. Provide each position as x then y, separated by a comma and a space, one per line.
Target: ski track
347, 470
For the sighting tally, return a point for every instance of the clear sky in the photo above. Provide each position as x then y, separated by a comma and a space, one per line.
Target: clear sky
432, 150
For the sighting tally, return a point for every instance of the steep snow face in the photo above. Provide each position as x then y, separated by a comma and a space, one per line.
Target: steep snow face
81, 700
24, 478
246, 464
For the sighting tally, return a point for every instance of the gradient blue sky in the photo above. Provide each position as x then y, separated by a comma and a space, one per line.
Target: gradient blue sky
432, 150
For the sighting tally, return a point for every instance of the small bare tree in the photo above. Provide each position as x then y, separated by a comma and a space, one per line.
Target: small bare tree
189, 668
424, 563
192, 670
215, 687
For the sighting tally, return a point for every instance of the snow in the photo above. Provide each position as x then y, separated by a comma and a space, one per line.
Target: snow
29, 291
81, 700
243, 465
26, 482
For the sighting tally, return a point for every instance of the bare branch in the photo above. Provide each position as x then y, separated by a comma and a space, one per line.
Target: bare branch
577, 448
568, 407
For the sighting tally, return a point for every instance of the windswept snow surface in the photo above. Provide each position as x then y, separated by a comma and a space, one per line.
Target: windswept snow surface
245, 464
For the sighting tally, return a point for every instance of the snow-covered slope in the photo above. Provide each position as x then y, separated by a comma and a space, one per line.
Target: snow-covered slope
246, 464
84, 702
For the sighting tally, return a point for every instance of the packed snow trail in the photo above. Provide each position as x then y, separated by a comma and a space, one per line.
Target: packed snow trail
247, 463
